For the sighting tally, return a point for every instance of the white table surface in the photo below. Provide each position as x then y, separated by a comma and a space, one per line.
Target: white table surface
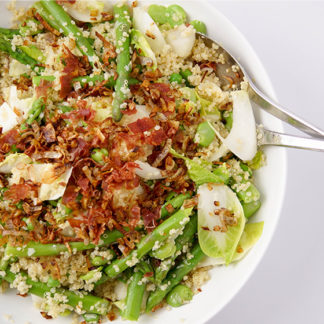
288, 285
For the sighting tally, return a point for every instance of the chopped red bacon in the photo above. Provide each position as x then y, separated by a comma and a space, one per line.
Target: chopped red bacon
125, 173
82, 149
135, 216
157, 137
11, 137
41, 90
22, 191
142, 125
83, 183
150, 218
70, 195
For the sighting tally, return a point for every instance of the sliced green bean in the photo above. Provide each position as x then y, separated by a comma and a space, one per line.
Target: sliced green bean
174, 277
89, 303
179, 295
251, 208
159, 234
175, 203
35, 249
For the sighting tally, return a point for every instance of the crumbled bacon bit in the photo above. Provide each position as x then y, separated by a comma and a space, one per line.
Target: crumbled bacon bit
142, 125
45, 315
110, 50
46, 25
22, 191
149, 34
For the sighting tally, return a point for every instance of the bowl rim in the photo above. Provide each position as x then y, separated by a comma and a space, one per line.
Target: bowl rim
268, 88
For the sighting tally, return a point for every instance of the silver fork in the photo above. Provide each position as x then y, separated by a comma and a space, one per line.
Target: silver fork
267, 137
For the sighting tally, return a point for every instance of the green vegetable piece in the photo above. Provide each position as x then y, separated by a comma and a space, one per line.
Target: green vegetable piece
143, 47
37, 79
176, 15
98, 155
8, 33
61, 18
124, 65
198, 171
53, 283
158, 13
176, 77
205, 134
34, 52
91, 274
199, 26
246, 168
258, 161
89, 303
159, 234
250, 194
26, 29
165, 251
65, 109
175, 202
228, 117
91, 318
36, 249
37, 108
30, 226
251, 208
179, 295
216, 239
134, 298
174, 277
98, 261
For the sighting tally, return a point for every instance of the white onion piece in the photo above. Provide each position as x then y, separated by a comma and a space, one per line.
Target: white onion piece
182, 40
143, 22
148, 172
22, 105
8, 119
141, 112
88, 11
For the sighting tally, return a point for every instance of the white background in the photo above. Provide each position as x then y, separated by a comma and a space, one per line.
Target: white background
288, 285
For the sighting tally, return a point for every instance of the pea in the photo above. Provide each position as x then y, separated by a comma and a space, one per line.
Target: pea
199, 26
205, 134
176, 15
228, 117
185, 73
53, 283
179, 295
99, 154
165, 251
176, 77
158, 13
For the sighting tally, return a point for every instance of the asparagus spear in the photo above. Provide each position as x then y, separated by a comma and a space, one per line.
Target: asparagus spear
57, 14
159, 234
37, 249
123, 25
174, 278
8, 33
90, 303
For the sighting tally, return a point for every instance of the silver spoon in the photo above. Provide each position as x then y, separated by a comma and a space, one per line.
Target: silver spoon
228, 77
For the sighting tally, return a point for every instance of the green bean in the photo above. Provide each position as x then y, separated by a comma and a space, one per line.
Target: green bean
174, 277
251, 208
199, 26
89, 303
122, 30
99, 260
26, 30
34, 52
18, 54
36, 249
46, 16
174, 204
90, 274
98, 155
205, 134
179, 295
158, 13
9, 33
186, 237
176, 77
4, 263
176, 15
159, 234
62, 19
228, 117
134, 298
53, 283
37, 79
37, 108
91, 318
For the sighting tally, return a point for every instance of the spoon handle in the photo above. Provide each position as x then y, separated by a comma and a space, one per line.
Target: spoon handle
267, 137
278, 111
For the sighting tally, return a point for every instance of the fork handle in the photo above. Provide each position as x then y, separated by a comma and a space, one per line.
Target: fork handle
278, 139
278, 111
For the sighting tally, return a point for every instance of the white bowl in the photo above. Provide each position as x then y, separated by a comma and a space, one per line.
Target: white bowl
225, 281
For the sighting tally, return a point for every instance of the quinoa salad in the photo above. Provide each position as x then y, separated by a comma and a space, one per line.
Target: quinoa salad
127, 154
